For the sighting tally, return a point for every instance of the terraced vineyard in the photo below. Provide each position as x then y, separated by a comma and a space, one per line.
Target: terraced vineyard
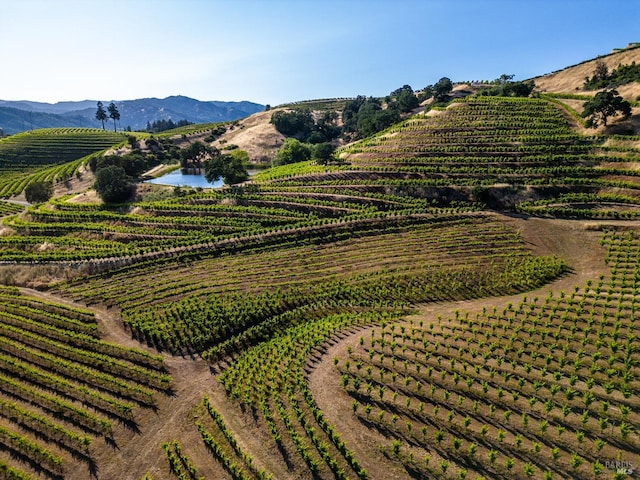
480, 150
257, 283
197, 223
224, 304
318, 104
52, 154
54, 145
494, 150
546, 387
63, 388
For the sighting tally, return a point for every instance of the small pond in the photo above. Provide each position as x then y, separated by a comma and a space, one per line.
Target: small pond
179, 179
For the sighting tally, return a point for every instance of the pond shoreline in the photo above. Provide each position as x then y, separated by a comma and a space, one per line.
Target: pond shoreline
176, 178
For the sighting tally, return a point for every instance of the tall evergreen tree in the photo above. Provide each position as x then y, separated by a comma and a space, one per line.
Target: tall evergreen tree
114, 114
101, 114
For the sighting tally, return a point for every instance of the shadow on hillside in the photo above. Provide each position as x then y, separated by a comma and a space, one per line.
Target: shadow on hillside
631, 126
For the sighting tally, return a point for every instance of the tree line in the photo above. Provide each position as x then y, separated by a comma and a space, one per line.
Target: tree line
163, 125
115, 175
101, 114
230, 167
314, 138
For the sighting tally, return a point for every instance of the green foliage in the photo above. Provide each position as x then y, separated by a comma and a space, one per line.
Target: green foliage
292, 151
114, 114
372, 119
195, 154
162, 125
113, 184
327, 126
38, 191
404, 99
290, 170
11, 473
604, 105
231, 167
621, 75
101, 114
365, 116
236, 167
294, 123
323, 153
301, 125
508, 88
134, 164
442, 89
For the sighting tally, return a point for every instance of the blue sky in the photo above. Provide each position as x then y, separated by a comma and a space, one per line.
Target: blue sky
276, 51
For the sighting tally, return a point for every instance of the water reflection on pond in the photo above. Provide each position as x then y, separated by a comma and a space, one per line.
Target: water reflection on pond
179, 179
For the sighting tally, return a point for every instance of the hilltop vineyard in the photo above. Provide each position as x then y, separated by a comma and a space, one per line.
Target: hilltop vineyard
52, 154
497, 151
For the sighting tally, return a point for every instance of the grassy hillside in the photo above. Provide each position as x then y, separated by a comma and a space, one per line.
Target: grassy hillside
52, 146
456, 297
571, 79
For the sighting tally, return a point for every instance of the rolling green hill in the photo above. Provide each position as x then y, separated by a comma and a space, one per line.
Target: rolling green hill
51, 155
454, 297
53, 146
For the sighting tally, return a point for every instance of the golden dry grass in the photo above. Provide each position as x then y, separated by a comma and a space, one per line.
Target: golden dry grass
570, 80
255, 135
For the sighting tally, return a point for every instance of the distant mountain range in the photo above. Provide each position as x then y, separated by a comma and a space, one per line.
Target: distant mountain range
19, 116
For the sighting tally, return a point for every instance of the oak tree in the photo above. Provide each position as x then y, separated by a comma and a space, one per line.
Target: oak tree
604, 105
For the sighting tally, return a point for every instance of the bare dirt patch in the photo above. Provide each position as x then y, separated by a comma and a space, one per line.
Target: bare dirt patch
255, 135
88, 196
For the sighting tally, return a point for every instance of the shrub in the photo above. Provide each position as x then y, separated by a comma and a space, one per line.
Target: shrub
113, 185
38, 191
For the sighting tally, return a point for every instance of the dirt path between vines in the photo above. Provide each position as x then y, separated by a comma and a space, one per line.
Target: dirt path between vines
569, 240
140, 452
